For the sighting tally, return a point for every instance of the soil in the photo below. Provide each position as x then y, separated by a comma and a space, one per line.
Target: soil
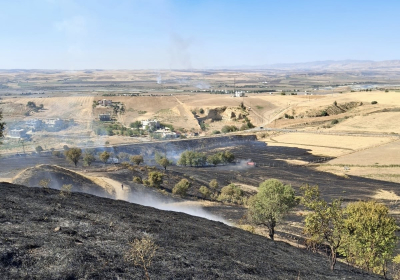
47, 236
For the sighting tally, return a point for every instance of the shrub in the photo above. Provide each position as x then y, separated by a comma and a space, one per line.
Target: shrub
141, 253
214, 184
56, 153
374, 102
44, 183
323, 113
205, 191
136, 159
201, 111
137, 180
216, 132
229, 128
39, 149
181, 187
335, 121
66, 190
155, 179
231, 194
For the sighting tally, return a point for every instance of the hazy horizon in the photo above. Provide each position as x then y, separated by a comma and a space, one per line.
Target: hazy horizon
166, 34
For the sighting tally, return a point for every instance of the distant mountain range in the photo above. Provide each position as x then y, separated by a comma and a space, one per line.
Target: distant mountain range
330, 65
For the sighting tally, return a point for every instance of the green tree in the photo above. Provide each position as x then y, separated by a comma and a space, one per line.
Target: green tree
136, 125
325, 223
164, 162
214, 159
104, 156
39, 149
136, 159
226, 157
182, 159
88, 158
231, 194
370, 235
272, 202
73, 155
155, 179
181, 187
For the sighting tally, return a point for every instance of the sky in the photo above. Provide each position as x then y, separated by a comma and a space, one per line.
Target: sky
193, 34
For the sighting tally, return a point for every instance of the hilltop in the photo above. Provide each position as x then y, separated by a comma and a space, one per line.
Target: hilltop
46, 236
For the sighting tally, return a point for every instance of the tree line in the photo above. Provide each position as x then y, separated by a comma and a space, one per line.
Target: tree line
192, 158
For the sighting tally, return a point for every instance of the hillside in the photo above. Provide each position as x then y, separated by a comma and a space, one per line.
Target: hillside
46, 236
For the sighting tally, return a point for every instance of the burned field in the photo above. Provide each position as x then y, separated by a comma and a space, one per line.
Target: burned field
271, 162
47, 236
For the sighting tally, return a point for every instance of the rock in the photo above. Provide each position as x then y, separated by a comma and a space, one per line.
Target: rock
57, 229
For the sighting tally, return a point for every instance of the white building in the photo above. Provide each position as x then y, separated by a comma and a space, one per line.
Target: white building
54, 123
150, 124
166, 133
105, 102
17, 133
238, 94
34, 124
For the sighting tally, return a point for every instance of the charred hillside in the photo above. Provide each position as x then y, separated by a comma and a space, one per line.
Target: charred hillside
47, 236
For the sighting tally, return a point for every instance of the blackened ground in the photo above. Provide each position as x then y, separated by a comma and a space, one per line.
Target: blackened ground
94, 234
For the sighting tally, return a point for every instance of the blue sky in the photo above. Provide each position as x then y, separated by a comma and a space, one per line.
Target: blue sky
165, 34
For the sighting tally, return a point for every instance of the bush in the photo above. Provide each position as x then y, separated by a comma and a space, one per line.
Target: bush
229, 128
137, 180
335, 121
214, 184
66, 190
231, 194
56, 153
39, 149
137, 159
201, 111
141, 253
324, 113
155, 179
374, 102
216, 132
205, 191
181, 187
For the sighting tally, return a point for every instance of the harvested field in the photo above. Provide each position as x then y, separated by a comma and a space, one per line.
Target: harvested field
327, 145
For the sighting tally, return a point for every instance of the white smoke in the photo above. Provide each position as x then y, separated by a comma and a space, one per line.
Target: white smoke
183, 207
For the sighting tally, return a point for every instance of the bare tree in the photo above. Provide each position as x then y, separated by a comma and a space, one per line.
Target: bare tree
141, 253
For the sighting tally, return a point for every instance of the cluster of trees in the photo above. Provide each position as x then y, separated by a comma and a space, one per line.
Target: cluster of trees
116, 129
33, 107
229, 128
191, 158
362, 232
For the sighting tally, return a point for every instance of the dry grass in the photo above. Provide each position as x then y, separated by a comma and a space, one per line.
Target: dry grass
326, 145
386, 195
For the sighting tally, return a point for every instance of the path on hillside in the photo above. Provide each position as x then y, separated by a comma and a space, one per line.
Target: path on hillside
185, 111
